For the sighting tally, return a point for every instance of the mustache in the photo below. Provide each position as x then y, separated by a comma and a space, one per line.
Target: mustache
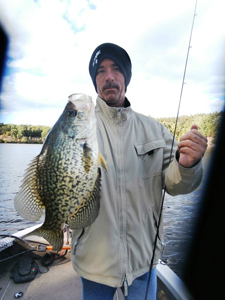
110, 85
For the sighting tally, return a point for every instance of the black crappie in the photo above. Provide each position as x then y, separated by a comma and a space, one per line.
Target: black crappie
65, 177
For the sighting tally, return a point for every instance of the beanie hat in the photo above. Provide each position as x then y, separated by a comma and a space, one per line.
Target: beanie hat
115, 53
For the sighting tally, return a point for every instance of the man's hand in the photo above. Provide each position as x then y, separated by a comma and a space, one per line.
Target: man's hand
192, 147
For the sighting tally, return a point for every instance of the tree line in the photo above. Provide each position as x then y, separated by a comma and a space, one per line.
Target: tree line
208, 125
29, 134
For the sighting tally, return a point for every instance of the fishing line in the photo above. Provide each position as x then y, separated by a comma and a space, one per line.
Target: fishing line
171, 152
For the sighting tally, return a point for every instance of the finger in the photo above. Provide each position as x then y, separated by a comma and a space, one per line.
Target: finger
194, 135
186, 145
198, 134
193, 140
193, 150
188, 158
194, 129
194, 126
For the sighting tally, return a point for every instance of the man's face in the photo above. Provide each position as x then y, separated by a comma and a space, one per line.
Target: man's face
110, 83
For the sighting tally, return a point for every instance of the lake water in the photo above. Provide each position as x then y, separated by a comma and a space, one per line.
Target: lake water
14, 159
180, 212
180, 216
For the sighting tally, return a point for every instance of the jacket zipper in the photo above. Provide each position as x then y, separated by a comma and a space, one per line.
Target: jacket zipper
125, 285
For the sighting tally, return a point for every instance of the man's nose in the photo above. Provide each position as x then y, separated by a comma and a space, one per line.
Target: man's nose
109, 76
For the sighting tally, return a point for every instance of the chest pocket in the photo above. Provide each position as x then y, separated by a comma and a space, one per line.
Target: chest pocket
150, 156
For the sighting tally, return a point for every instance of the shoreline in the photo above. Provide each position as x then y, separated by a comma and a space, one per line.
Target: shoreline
30, 141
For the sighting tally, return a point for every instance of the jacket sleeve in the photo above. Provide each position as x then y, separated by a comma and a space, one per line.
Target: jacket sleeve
178, 179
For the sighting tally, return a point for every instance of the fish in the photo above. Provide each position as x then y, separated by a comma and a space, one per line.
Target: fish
65, 178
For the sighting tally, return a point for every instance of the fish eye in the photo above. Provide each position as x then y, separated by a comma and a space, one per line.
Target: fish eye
72, 113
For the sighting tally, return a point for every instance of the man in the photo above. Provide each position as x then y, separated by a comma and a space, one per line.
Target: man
116, 250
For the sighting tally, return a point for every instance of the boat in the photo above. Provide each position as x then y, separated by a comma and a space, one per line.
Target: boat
57, 279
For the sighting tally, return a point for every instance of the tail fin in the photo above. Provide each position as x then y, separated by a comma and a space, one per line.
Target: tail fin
53, 236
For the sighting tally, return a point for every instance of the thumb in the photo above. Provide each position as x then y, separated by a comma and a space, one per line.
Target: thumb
194, 126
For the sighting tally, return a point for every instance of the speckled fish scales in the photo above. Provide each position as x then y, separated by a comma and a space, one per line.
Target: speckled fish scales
65, 178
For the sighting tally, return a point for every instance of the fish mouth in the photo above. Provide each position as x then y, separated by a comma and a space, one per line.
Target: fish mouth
80, 103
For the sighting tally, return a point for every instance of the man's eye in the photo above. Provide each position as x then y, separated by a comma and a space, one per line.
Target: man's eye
117, 69
101, 71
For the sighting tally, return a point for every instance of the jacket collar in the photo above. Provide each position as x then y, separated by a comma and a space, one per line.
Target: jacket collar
112, 112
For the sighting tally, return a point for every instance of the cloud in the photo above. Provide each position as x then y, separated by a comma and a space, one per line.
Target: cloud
161, 66
51, 43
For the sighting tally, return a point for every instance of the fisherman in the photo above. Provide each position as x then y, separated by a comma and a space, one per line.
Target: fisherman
116, 250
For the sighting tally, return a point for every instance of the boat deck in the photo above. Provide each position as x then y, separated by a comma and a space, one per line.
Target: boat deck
57, 281
62, 282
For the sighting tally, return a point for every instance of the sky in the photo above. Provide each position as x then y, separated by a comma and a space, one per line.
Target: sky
51, 42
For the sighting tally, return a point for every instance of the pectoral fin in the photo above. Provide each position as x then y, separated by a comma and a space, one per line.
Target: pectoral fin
102, 162
87, 158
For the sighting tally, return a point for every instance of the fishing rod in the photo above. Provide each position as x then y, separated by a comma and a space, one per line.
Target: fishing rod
171, 151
